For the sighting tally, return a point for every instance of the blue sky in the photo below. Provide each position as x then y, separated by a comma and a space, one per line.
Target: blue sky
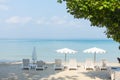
43, 19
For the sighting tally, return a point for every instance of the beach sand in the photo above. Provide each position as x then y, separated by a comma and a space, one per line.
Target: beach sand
15, 72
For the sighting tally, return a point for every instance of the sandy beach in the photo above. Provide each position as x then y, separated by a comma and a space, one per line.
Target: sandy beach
15, 72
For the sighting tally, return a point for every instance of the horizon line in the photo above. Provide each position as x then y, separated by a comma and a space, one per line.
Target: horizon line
55, 39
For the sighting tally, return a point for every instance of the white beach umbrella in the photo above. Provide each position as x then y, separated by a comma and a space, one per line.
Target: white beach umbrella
34, 55
95, 51
66, 51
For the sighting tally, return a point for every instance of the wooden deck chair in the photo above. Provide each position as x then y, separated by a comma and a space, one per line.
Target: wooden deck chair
72, 64
89, 65
40, 65
25, 64
58, 64
115, 75
103, 65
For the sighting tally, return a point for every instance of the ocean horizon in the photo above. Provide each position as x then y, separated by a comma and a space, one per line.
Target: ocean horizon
17, 49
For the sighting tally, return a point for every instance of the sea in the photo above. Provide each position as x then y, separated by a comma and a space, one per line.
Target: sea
18, 49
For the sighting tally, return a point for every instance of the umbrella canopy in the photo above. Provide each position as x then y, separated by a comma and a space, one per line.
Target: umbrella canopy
95, 51
34, 55
66, 51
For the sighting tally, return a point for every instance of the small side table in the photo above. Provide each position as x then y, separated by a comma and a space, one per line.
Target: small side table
32, 66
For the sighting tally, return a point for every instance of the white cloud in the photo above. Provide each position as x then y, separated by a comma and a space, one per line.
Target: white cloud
51, 21
58, 21
40, 21
17, 19
4, 7
3, 1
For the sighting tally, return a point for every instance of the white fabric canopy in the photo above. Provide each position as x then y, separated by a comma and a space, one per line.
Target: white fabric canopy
66, 51
95, 51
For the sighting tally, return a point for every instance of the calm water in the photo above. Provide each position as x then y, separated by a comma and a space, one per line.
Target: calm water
46, 49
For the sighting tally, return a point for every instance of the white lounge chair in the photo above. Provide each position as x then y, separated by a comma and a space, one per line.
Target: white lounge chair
40, 65
58, 64
89, 65
72, 64
103, 65
25, 64
115, 75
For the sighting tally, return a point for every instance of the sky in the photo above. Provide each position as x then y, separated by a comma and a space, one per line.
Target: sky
43, 19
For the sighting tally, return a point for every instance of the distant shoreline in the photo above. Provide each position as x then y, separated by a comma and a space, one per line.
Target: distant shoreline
53, 39
56, 39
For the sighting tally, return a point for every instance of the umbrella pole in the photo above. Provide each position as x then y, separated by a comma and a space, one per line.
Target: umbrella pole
94, 58
33, 61
65, 58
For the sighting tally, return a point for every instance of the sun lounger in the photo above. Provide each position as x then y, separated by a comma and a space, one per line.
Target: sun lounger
103, 65
58, 64
25, 64
89, 65
40, 65
115, 75
72, 64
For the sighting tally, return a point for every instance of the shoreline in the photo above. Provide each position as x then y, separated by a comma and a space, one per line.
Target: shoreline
48, 62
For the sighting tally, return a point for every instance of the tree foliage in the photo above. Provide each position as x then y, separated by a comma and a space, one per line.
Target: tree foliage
101, 13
